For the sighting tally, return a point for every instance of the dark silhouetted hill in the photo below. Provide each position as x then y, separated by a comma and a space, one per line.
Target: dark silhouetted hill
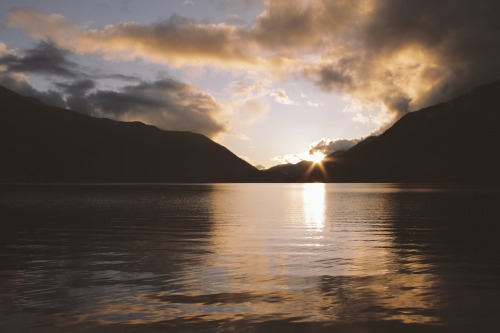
40, 143
456, 141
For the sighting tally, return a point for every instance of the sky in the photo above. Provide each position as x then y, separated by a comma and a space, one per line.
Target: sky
274, 81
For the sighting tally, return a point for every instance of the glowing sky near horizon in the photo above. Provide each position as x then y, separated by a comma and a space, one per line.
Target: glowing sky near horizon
271, 80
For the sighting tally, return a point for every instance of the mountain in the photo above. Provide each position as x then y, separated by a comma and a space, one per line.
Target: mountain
41, 143
456, 141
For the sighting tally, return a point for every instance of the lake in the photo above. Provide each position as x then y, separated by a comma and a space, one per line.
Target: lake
249, 258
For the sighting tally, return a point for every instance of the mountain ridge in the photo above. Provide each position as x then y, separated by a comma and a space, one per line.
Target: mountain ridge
41, 143
453, 141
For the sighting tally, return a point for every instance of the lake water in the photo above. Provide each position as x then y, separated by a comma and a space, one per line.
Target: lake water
249, 258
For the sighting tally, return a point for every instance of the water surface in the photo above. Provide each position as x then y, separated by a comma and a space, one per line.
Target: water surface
249, 258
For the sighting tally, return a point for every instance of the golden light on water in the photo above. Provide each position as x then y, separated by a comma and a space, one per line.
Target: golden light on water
313, 197
322, 251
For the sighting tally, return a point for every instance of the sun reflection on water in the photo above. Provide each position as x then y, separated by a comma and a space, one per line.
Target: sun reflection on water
313, 196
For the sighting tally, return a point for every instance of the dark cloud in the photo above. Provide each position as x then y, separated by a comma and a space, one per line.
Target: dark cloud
45, 58
119, 77
167, 104
461, 38
331, 78
77, 87
328, 147
397, 101
76, 94
23, 87
404, 55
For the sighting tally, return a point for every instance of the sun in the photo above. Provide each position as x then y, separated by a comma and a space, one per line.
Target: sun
315, 157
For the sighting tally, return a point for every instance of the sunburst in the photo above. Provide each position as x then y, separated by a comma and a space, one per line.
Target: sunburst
315, 157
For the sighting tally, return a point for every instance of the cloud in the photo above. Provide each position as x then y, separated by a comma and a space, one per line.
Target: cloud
19, 81
53, 63
176, 40
43, 59
49, 60
400, 55
298, 25
314, 104
462, 38
281, 97
250, 111
323, 146
4, 50
327, 146
20, 84
76, 93
248, 103
234, 20
288, 158
251, 98
244, 89
281, 28
331, 78
410, 54
166, 103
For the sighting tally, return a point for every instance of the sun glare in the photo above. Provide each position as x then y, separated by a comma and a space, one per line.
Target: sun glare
314, 205
316, 157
